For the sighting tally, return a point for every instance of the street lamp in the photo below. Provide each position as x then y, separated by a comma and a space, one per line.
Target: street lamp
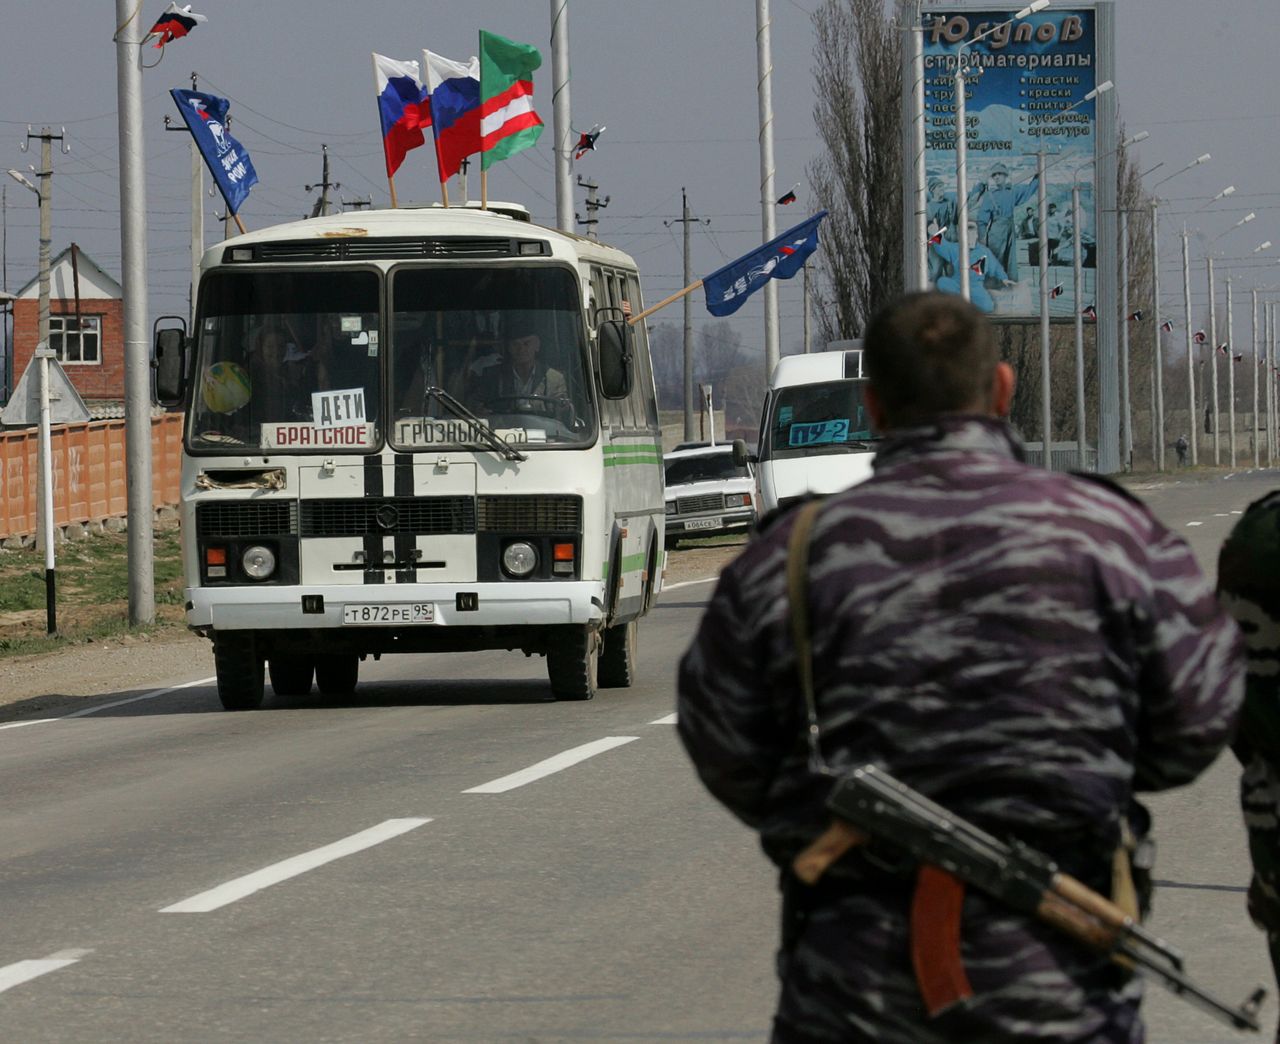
1157, 359
1213, 338
1186, 308
962, 187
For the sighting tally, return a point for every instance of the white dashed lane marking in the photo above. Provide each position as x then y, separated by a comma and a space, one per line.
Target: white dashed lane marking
24, 971
550, 765
240, 887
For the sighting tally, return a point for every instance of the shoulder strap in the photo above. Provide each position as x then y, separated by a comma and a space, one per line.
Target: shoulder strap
798, 599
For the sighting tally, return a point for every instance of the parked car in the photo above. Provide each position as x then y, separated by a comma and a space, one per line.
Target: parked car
707, 492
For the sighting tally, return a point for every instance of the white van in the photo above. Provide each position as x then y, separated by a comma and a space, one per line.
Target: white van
815, 436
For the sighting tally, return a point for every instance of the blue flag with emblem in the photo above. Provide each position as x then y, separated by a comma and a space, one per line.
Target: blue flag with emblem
227, 160
780, 258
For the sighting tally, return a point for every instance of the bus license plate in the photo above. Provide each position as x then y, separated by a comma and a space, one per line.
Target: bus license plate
408, 613
702, 523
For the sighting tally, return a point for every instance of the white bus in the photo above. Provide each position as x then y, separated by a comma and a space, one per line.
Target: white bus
415, 430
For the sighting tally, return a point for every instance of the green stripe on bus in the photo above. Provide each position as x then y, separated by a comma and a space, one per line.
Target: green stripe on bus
630, 563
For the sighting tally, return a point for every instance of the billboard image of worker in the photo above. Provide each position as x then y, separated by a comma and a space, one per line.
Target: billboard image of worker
1026, 86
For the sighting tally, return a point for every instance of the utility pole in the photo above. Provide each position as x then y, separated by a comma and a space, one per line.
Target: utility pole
592, 206
562, 116
322, 204
764, 98
137, 347
690, 433
807, 346
44, 194
197, 207
357, 203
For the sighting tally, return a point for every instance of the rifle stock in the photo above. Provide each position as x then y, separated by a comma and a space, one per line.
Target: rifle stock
871, 804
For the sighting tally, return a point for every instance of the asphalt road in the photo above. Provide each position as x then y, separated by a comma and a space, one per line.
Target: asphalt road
448, 856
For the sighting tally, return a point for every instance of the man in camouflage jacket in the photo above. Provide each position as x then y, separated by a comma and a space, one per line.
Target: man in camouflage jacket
1024, 647
1249, 583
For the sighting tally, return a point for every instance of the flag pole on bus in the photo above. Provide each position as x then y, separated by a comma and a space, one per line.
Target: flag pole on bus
508, 123
403, 110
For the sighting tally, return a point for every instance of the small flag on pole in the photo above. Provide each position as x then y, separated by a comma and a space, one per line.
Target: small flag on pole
1222, 348
1239, 357
1135, 316
1199, 337
587, 141
936, 238
1056, 291
403, 107
979, 267
1166, 326
1090, 312
175, 23
780, 258
508, 123
789, 196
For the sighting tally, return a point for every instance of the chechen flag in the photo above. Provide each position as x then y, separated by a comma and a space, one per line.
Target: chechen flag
1090, 312
1135, 316
1166, 326
979, 267
789, 196
455, 109
174, 23
508, 123
936, 238
403, 107
1199, 337
587, 141
1222, 348
1056, 291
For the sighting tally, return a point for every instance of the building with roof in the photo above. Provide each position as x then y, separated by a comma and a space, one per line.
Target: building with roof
86, 329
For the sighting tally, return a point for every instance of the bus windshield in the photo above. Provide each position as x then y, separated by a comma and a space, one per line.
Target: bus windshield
826, 417
506, 344
287, 360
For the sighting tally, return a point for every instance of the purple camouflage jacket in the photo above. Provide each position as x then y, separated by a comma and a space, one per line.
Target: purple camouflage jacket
1027, 648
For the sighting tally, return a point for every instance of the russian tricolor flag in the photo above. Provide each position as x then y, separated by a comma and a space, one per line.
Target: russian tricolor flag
455, 109
404, 107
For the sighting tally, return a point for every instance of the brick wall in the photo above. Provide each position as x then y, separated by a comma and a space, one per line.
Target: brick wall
104, 380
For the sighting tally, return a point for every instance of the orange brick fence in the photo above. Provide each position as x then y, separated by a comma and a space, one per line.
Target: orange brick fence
88, 472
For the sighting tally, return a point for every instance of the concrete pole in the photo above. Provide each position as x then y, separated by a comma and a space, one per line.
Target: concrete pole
197, 224
1231, 379
1126, 414
1046, 421
43, 355
962, 178
46, 228
690, 433
1191, 355
1157, 355
764, 96
807, 344
917, 258
1213, 358
561, 115
1253, 316
137, 350
1077, 263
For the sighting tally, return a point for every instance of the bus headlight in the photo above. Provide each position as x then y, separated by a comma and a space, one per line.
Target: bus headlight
259, 562
519, 558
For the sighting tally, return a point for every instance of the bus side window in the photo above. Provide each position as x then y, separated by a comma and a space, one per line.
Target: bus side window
646, 402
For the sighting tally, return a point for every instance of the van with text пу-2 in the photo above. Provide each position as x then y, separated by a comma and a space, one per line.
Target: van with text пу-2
415, 430
815, 436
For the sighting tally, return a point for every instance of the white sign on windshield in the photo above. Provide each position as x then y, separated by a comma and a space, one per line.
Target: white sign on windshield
338, 409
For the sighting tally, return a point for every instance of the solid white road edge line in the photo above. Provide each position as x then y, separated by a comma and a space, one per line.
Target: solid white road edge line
550, 765
24, 971
687, 583
108, 706
670, 719
240, 887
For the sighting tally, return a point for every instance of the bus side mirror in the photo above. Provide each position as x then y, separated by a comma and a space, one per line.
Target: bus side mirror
616, 342
170, 363
741, 458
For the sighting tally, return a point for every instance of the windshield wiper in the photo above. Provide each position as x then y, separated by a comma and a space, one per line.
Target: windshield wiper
486, 433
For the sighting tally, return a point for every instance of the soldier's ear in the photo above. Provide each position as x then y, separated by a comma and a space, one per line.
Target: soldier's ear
1002, 383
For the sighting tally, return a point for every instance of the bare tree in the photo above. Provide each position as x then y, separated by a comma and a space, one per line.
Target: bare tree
858, 176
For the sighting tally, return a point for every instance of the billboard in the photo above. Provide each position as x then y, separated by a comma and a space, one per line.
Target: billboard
1025, 95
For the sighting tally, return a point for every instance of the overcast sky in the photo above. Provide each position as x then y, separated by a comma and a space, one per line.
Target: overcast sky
674, 81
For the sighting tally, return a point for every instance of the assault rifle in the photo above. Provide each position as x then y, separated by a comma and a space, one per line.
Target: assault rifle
869, 803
